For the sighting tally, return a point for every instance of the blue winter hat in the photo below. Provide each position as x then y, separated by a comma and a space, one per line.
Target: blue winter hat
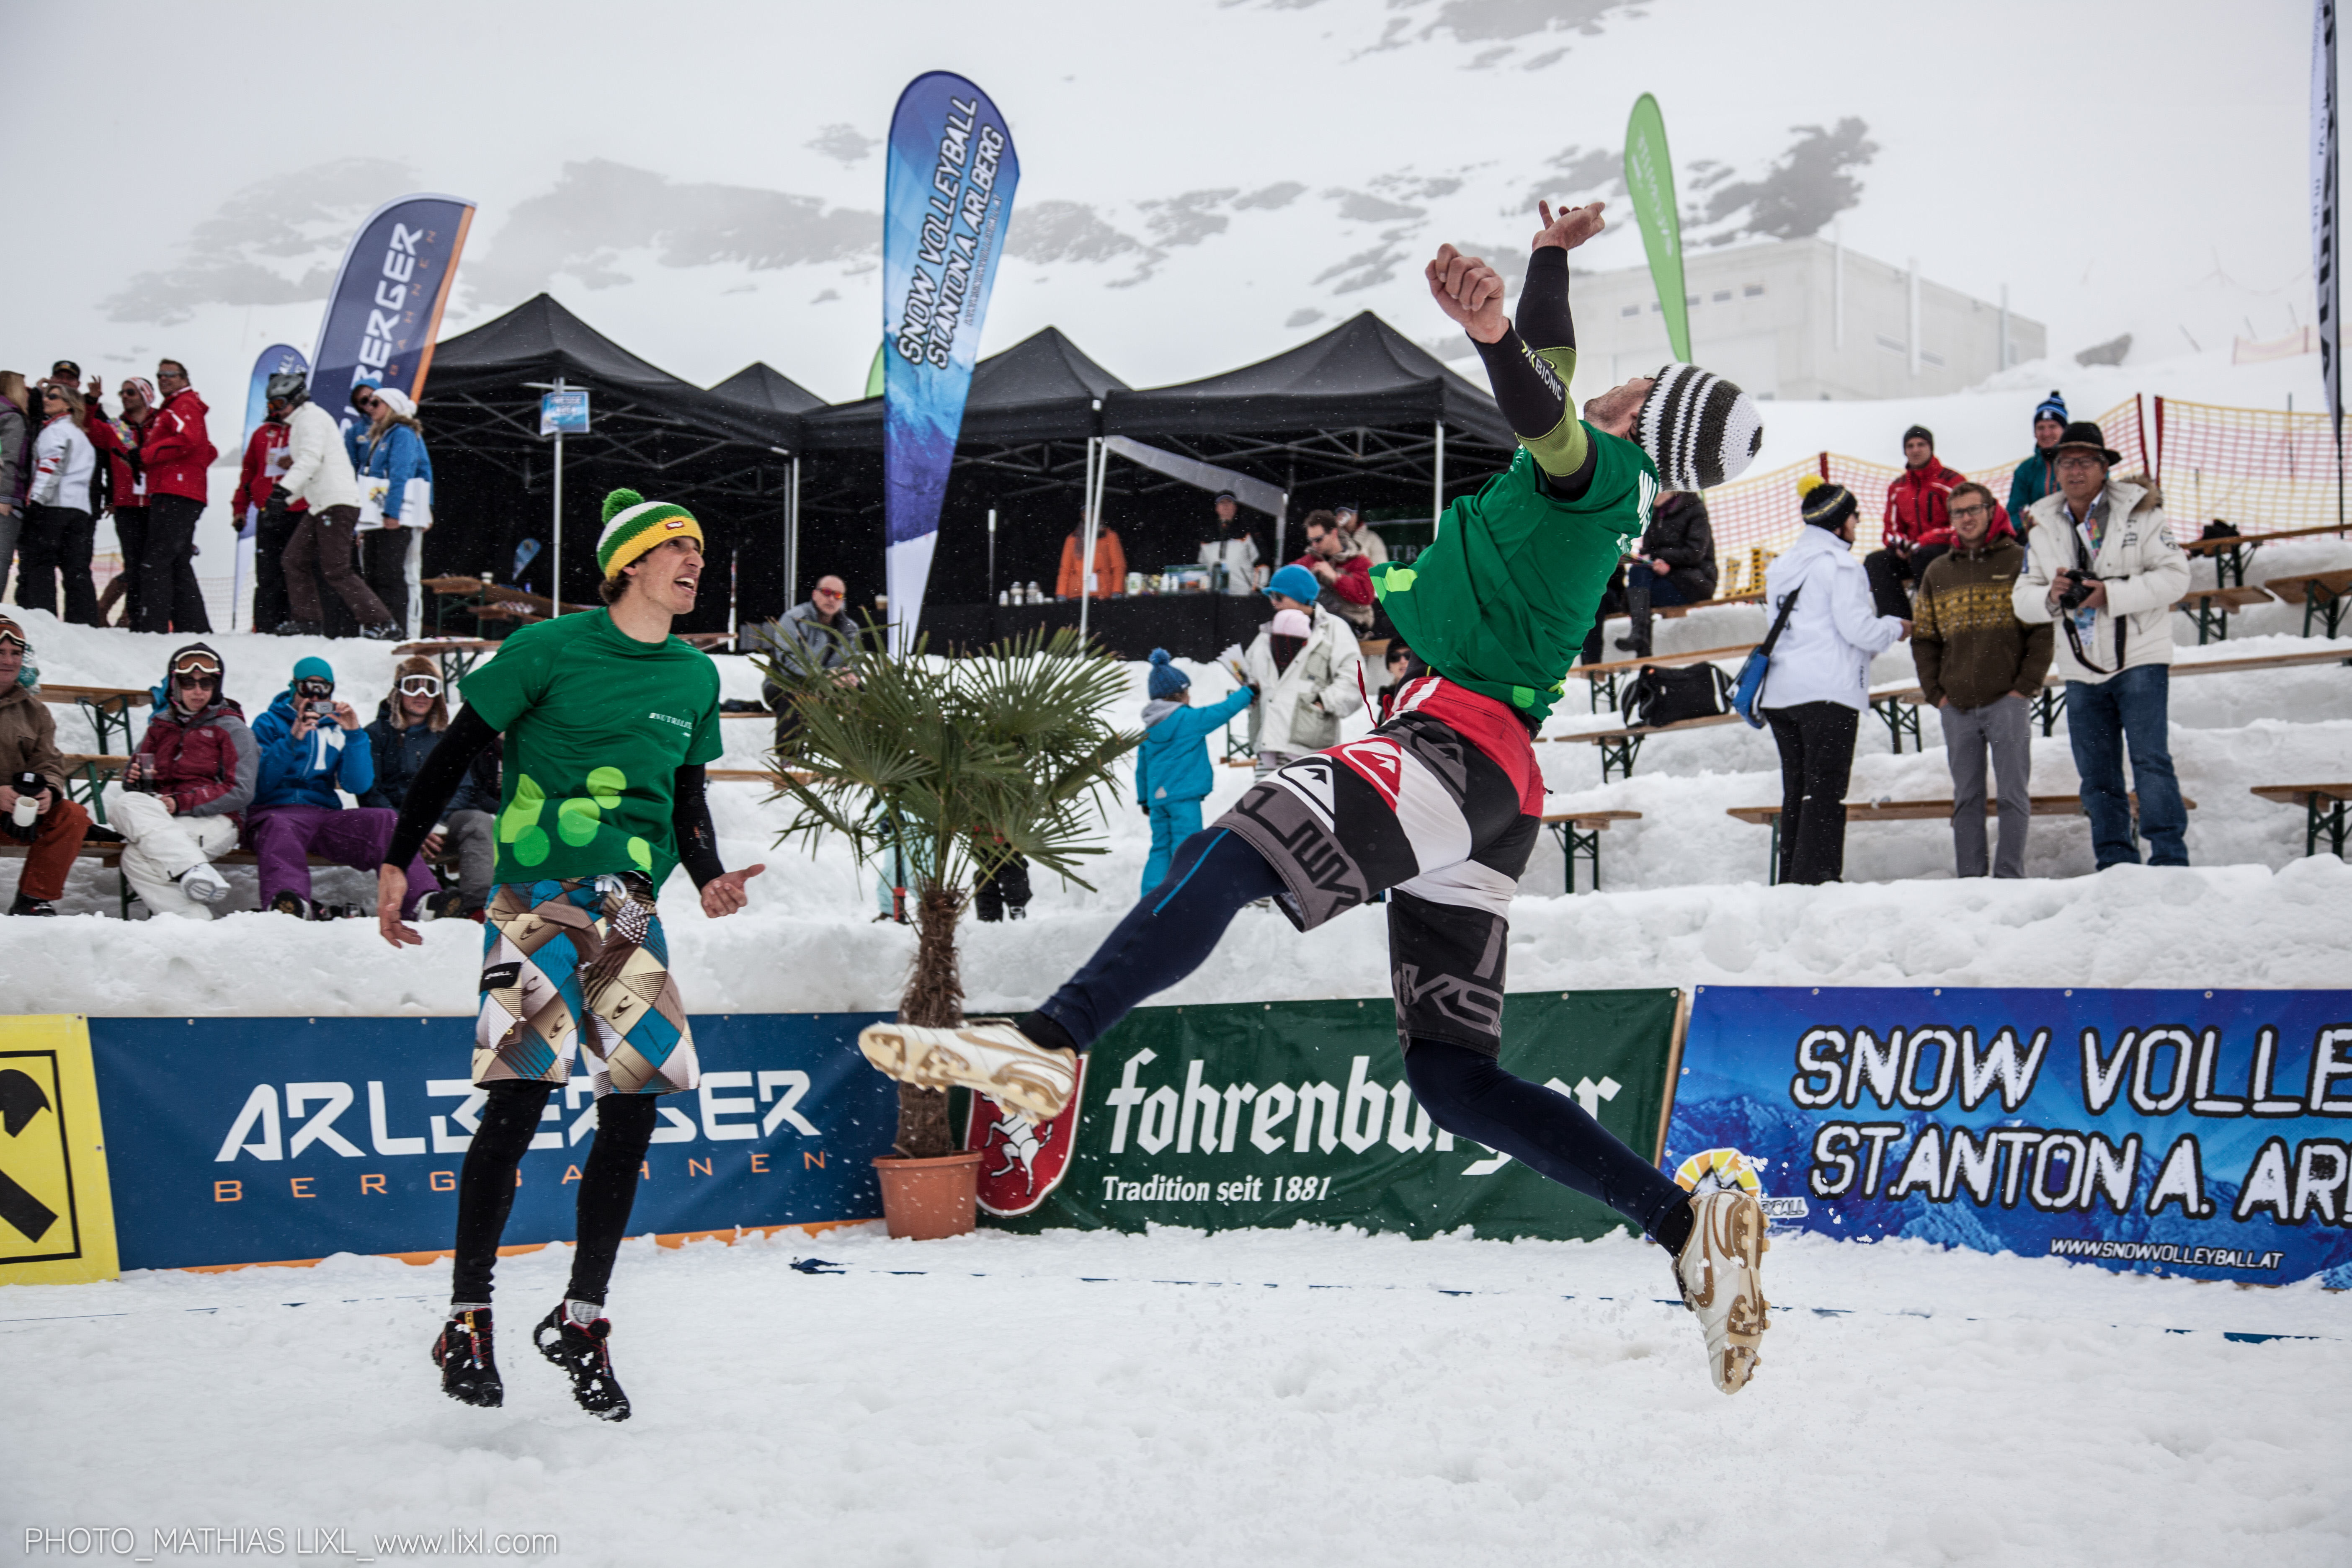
1294, 582
2050, 408
313, 669
1167, 680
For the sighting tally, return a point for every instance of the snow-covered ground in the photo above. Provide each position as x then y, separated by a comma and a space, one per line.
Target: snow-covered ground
1263, 1397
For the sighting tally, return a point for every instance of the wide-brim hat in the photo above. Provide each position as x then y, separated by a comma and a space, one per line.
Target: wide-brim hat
2083, 436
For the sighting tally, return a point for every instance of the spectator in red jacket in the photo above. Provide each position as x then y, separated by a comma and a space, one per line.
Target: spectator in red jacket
1919, 523
186, 789
266, 455
1344, 571
119, 441
176, 452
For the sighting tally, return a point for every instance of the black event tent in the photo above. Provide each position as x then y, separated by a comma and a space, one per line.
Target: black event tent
761, 386
726, 457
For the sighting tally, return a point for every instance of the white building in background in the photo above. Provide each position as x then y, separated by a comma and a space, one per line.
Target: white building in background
1804, 318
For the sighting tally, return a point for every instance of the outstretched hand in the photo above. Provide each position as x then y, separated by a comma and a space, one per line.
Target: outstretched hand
1470, 292
1570, 227
391, 887
724, 894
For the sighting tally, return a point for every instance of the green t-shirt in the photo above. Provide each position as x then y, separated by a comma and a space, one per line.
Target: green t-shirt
596, 725
1502, 601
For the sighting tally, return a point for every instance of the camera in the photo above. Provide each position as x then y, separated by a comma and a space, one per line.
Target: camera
2077, 588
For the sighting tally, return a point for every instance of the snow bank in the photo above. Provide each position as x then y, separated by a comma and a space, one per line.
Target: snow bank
1685, 900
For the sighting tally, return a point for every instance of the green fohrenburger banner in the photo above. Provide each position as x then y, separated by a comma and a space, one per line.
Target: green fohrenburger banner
1250, 1114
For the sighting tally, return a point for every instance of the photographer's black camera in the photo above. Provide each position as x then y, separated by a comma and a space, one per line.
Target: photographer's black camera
2077, 588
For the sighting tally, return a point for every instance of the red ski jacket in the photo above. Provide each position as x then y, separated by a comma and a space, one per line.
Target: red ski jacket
260, 475
175, 449
1919, 504
1354, 581
206, 761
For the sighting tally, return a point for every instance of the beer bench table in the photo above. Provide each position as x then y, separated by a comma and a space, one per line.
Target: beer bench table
1579, 832
2321, 594
457, 656
1919, 810
2230, 551
110, 858
2210, 607
1620, 747
755, 775
2051, 701
484, 600
1598, 676
2324, 811
88, 775
108, 706
1677, 611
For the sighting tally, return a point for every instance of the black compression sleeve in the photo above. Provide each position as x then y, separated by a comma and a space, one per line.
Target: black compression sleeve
689, 816
1544, 319
1527, 390
468, 737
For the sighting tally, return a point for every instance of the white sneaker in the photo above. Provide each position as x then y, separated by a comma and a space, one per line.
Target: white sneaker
989, 1055
204, 884
1721, 1273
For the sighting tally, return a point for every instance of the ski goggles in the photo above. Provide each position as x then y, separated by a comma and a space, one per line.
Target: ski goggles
420, 686
314, 688
196, 664
13, 635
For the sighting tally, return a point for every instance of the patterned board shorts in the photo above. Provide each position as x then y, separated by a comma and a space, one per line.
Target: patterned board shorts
551, 945
1440, 806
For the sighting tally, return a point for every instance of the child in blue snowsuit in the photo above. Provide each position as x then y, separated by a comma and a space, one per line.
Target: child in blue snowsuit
1171, 767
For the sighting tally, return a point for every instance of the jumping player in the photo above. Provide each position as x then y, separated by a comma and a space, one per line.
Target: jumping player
1440, 804
609, 720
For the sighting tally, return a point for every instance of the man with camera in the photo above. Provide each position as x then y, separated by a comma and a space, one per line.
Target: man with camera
2101, 564
311, 749
33, 810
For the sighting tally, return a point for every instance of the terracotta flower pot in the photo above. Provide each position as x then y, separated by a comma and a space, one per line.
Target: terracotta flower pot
924, 1200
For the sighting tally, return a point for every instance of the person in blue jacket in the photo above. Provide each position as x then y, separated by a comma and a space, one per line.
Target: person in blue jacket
1171, 767
391, 449
311, 751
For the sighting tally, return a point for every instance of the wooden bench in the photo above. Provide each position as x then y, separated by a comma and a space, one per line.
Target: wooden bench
1598, 676
1921, 811
1579, 832
2232, 551
2324, 811
457, 656
484, 600
2321, 594
1677, 611
110, 858
2051, 701
1619, 748
757, 775
108, 708
87, 777
2210, 607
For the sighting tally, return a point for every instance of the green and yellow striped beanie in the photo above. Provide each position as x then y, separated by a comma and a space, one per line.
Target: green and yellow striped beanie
633, 525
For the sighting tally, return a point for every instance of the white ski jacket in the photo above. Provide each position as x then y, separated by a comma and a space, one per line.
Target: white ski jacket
1299, 709
63, 462
1825, 652
318, 469
2146, 572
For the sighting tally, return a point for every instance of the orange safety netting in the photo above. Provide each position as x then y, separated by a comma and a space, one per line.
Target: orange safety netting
2263, 470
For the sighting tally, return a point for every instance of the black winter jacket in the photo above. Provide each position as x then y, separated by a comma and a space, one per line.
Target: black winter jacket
1680, 535
401, 752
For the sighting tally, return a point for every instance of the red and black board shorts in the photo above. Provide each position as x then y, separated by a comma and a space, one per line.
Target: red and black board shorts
1440, 806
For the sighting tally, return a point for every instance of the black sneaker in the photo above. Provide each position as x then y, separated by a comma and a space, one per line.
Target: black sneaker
292, 629
293, 904
25, 905
469, 1368
384, 631
449, 904
581, 1350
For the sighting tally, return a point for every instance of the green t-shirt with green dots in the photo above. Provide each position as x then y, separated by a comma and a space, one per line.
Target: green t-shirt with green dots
1502, 601
596, 725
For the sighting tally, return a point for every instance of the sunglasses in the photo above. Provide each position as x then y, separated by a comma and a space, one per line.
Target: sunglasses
420, 686
193, 683
48, 392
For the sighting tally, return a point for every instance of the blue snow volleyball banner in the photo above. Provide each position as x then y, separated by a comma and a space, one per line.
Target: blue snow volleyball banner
952, 170
276, 360
385, 309
2201, 1133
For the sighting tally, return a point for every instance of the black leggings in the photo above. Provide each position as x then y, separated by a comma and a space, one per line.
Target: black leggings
1816, 742
608, 1185
1175, 928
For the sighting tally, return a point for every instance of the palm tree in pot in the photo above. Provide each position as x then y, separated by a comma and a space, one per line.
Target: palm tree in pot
960, 764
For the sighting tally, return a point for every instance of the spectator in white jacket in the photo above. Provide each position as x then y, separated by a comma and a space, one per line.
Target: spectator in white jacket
1308, 671
319, 472
60, 523
1818, 683
2104, 543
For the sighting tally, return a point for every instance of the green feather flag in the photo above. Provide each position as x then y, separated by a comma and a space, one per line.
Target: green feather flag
1650, 177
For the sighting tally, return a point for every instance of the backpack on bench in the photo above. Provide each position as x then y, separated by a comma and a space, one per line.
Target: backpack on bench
1659, 695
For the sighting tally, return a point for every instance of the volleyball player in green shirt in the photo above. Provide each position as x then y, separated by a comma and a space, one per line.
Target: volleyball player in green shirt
609, 720
1441, 803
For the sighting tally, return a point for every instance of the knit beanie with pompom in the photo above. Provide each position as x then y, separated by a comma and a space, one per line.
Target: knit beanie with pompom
1166, 679
633, 525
